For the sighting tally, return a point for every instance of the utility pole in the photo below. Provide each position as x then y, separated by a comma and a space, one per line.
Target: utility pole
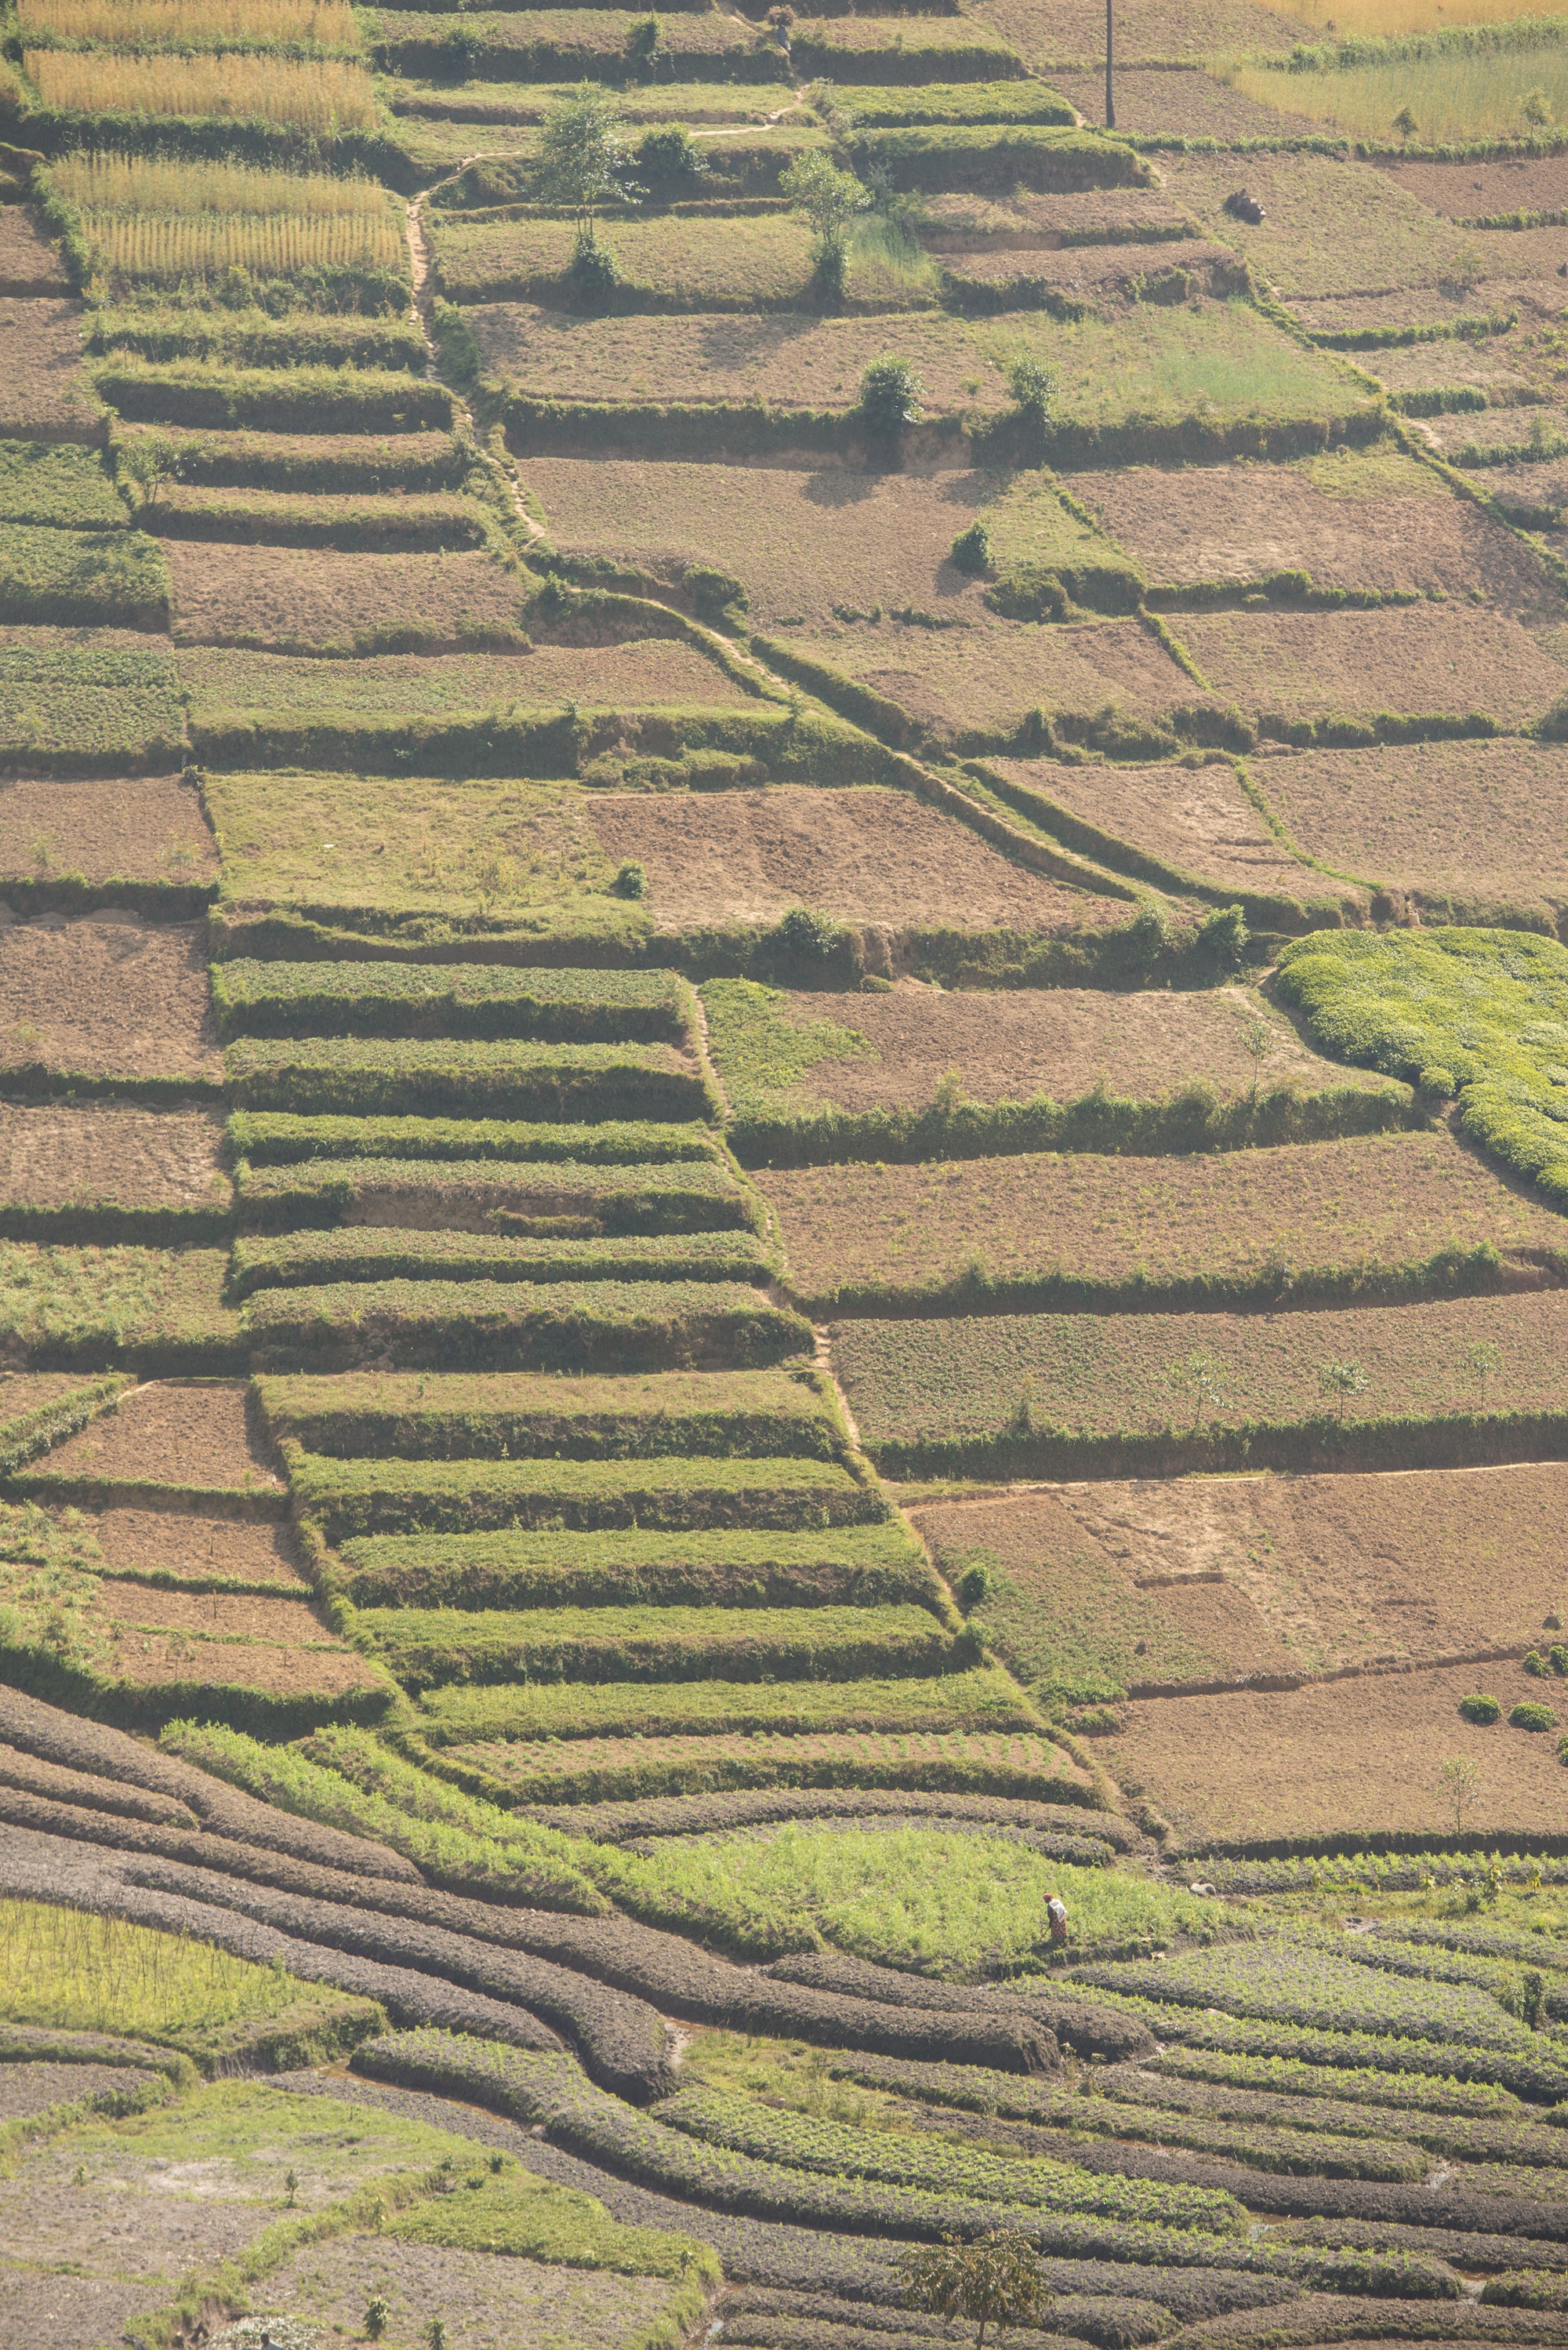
1110, 64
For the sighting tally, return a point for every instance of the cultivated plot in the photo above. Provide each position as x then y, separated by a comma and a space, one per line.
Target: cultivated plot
1425, 660
52, 1156
106, 995
225, 595
128, 828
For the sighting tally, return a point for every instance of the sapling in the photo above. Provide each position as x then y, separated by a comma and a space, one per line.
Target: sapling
378, 2317
583, 166
1205, 1381
1482, 1359
1461, 1781
1341, 1380
1258, 1044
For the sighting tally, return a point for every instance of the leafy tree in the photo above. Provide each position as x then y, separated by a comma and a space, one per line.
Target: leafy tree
996, 2279
1405, 123
889, 396
151, 460
1203, 1381
582, 158
830, 199
1483, 1360
970, 550
1033, 387
1460, 1782
1342, 1379
378, 2317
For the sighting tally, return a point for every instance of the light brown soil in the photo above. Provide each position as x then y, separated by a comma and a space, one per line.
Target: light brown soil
33, 2088
287, 596
70, 2313
1237, 1216
1452, 364
1470, 830
1242, 521
1418, 306
1102, 274
1340, 1756
184, 1544
487, 2303
1192, 103
108, 994
1032, 221
1196, 819
42, 392
1059, 1041
29, 1390
1329, 227
176, 1432
132, 828
50, 1155
29, 263
638, 674
1421, 659
976, 684
862, 855
1148, 32
1519, 183
244, 1616
220, 1639
1508, 428
107, 2229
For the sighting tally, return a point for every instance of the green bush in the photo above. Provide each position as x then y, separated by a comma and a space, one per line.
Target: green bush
1529, 1714
890, 394
1480, 1709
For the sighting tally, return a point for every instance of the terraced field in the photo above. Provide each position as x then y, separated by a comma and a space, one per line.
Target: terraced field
783, 1029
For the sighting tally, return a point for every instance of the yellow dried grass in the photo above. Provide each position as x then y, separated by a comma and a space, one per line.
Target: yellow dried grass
317, 94
164, 250
153, 183
156, 23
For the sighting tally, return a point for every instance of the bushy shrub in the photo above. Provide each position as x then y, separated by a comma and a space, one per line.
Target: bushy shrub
1529, 1714
1480, 1708
890, 394
970, 550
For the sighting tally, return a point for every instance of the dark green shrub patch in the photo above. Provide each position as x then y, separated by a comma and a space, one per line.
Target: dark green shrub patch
390, 1496
287, 400
344, 1076
996, 160
108, 579
282, 1138
371, 1252
1526, 2289
556, 1197
459, 1418
58, 483
1531, 1715
1480, 1708
407, 999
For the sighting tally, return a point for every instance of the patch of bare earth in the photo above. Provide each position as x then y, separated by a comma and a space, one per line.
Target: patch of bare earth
128, 828
28, 2089
51, 1155
31, 1390
1421, 658
1197, 820
1480, 190
198, 1549
107, 995
1059, 1041
1101, 273
1148, 32
1037, 220
278, 1647
225, 594
69, 2311
1243, 522
1338, 1757
1452, 365
42, 392
862, 855
484, 2302
106, 2228
29, 263
1193, 103
174, 1432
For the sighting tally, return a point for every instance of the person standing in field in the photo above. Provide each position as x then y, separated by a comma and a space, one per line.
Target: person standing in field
1056, 1918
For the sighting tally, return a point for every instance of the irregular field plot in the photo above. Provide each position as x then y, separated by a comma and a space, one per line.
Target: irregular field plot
1197, 820
1423, 659
1329, 227
1235, 1220
521, 101
1217, 1578
171, 1431
1059, 1041
983, 1700
1072, 31
492, 2301
861, 855
182, 1546
29, 264
1337, 1757
1352, 518
1482, 190
132, 828
590, 1770
51, 1155
410, 685
272, 595
131, 1637
45, 395
107, 995
1193, 103
1470, 830
1456, 98
1102, 1374
726, 264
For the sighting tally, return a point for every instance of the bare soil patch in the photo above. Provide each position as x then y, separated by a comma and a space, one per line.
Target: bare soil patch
862, 855
1330, 227
1243, 522
1417, 305
287, 596
486, 2302
1059, 1041
108, 996
1151, 32
1325, 1209
277, 1647
1515, 183
109, 2229
242, 1617
27, 2088
976, 686
1102, 274
1421, 659
1471, 831
1196, 819
1337, 1757
30, 1390
132, 828
1195, 104
29, 263
175, 1432
183, 1544
43, 395
1040, 221
68, 2312
51, 1155
1449, 364
1507, 430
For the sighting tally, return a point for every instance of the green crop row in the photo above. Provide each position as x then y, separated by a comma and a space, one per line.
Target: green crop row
156, 1310
932, 158
282, 1138
459, 1418
112, 579
867, 106
375, 1076
58, 483
76, 711
1293, 2076
563, 1197
392, 1496
305, 462
371, 1252
284, 399
578, 1325
562, 1006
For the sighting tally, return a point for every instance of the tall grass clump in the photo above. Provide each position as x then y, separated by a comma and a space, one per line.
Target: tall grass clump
322, 95
190, 24
77, 1972
1485, 82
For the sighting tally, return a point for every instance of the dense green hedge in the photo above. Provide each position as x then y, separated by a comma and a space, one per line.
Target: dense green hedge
560, 1197
576, 1326
998, 159
375, 1076
282, 1138
373, 1253
113, 579
560, 1005
387, 1496
289, 399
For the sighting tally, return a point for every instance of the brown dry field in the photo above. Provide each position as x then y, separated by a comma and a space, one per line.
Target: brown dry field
176, 1432
51, 1155
1242, 521
1059, 1041
1479, 828
638, 674
1033, 221
32, 2088
30, 1390
1414, 306
184, 1544
222, 1640
106, 993
127, 828
1338, 1757
29, 263
1236, 1217
1506, 429
860, 855
1451, 364
1422, 659
42, 391
1104, 275
1194, 104
1197, 819
977, 683
109, 995
1225, 1577
1148, 32
485, 2301
284, 596
1479, 190
1329, 226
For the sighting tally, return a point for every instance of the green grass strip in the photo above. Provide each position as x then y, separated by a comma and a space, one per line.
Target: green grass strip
369, 1252
616, 1197
282, 1137
488, 1077
397, 999
984, 1698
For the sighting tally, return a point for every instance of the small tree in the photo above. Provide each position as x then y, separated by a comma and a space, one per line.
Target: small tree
1460, 1782
1483, 1360
1405, 124
1258, 1044
889, 396
1203, 1381
1343, 1381
1033, 387
378, 2317
830, 199
583, 159
996, 2279
151, 460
